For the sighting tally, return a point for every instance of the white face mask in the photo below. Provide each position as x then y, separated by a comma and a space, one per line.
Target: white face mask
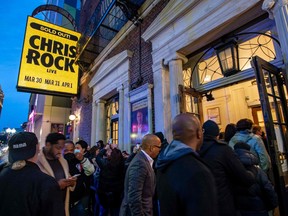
76, 151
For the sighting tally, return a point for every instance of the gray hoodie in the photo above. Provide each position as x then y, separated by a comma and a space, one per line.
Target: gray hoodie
173, 151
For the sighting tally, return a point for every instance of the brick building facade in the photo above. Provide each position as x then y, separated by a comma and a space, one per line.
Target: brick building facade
140, 68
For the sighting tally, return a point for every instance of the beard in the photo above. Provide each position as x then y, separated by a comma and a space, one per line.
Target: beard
50, 154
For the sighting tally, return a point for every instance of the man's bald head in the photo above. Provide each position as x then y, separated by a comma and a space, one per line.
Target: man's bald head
149, 140
186, 128
151, 144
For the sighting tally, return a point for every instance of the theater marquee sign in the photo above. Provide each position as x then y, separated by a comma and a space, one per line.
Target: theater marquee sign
48, 59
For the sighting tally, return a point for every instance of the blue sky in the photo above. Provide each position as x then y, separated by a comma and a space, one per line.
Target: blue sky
13, 16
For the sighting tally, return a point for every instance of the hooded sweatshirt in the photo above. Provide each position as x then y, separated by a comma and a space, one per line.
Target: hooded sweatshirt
185, 186
172, 152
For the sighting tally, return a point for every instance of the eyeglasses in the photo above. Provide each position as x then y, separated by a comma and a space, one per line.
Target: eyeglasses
157, 146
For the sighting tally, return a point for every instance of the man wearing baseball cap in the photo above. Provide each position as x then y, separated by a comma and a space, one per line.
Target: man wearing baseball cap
24, 188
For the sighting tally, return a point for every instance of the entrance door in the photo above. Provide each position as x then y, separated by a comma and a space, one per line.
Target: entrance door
190, 101
258, 116
271, 87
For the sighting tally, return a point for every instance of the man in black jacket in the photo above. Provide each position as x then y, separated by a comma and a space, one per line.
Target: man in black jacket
24, 189
225, 166
185, 186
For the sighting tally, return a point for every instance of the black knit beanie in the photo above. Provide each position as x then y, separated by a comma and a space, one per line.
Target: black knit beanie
211, 128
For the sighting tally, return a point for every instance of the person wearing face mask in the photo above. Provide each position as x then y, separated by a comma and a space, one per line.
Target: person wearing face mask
83, 169
82, 196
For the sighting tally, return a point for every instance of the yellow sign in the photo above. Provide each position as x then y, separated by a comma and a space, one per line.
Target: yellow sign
48, 59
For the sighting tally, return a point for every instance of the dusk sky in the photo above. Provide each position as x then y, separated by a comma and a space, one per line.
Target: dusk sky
13, 16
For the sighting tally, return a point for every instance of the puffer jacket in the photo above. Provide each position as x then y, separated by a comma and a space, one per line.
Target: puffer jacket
257, 147
260, 197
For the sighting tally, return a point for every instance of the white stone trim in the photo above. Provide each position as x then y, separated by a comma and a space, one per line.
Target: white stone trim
170, 13
112, 73
191, 21
112, 76
143, 92
140, 93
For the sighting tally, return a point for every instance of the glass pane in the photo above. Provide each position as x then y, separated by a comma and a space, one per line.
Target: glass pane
186, 77
274, 83
268, 83
271, 83
191, 104
188, 103
280, 132
115, 132
280, 144
251, 48
276, 108
208, 68
226, 59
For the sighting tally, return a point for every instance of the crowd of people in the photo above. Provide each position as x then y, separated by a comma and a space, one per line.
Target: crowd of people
201, 172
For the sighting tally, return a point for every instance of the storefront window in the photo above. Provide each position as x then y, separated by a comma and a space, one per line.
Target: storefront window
208, 68
112, 120
260, 45
186, 77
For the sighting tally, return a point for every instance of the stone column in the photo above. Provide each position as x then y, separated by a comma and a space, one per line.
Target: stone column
175, 63
127, 117
100, 121
121, 117
149, 98
162, 112
278, 10
93, 125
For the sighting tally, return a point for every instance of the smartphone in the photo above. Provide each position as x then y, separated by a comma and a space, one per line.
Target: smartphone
110, 141
76, 175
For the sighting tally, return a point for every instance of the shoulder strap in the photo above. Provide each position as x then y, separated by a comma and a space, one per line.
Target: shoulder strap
249, 138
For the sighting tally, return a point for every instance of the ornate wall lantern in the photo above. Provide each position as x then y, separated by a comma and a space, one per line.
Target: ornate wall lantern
228, 58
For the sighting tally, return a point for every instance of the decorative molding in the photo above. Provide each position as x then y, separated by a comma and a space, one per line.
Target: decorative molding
140, 93
194, 21
175, 56
268, 6
271, 6
170, 13
109, 65
100, 101
120, 88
